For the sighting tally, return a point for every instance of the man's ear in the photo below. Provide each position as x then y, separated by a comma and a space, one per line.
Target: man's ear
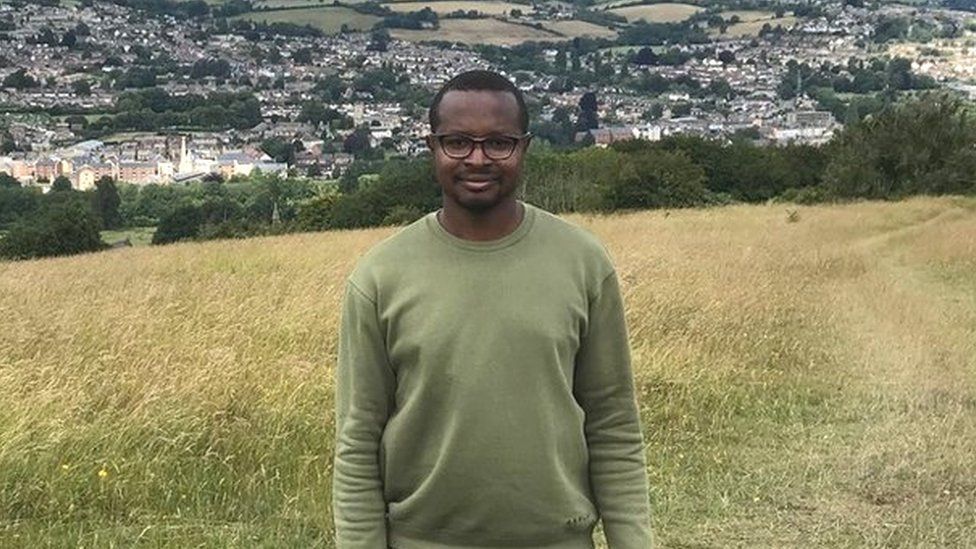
430, 142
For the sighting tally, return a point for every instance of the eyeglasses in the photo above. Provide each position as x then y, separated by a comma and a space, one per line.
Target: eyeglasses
495, 147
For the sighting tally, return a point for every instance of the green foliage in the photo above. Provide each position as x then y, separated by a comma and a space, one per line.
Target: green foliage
146, 205
279, 149
17, 202
424, 18
643, 33
925, 145
64, 225
656, 179
61, 184
256, 205
747, 172
806, 195
153, 109
404, 190
560, 182
8, 181
20, 80
105, 203
183, 223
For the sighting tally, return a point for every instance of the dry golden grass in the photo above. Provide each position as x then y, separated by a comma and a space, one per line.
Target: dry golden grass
658, 13
477, 31
802, 384
752, 28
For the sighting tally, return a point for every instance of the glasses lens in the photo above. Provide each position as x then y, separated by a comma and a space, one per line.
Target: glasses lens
499, 147
456, 145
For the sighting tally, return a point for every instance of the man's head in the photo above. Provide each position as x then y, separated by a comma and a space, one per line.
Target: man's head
479, 126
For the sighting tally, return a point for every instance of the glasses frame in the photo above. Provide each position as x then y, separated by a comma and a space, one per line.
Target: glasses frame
479, 142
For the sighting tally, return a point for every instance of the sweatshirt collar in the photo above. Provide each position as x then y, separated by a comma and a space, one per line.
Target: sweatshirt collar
511, 238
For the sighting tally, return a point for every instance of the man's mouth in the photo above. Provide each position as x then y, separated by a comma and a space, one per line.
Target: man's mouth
476, 184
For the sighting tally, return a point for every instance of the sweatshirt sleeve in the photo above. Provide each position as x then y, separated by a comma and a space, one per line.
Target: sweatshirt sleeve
365, 389
604, 388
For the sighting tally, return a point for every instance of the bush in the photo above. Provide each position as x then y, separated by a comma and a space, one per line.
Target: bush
656, 179
183, 223
402, 215
62, 227
315, 214
922, 146
807, 195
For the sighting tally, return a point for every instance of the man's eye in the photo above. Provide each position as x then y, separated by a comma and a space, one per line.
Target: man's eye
499, 143
455, 142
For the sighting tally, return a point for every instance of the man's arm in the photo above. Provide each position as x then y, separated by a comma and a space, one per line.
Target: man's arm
604, 388
365, 389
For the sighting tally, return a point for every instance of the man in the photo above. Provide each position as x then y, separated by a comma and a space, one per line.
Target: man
484, 393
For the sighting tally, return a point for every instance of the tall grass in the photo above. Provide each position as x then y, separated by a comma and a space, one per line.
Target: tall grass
806, 383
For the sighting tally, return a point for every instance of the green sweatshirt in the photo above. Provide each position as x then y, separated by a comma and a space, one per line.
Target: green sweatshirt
484, 394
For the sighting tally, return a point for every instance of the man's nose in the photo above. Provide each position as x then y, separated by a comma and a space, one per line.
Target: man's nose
477, 156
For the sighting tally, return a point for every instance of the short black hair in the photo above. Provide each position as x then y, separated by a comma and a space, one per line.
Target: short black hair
479, 80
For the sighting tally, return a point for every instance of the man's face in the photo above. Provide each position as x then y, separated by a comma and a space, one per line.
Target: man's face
476, 182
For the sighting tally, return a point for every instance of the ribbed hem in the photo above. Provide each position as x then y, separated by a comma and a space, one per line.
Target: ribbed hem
528, 219
399, 540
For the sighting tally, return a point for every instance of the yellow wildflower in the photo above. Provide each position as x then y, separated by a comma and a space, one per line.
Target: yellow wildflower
103, 473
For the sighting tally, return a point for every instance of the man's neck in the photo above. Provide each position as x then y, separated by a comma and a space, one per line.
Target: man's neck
493, 224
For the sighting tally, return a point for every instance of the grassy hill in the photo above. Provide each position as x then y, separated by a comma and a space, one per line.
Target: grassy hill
802, 383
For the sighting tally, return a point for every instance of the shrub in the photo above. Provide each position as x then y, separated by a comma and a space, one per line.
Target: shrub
62, 227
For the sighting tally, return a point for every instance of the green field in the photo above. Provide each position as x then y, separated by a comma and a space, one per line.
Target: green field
139, 236
329, 19
802, 383
573, 28
658, 13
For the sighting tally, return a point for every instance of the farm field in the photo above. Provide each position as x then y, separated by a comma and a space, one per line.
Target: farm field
801, 384
658, 13
329, 19
477, 31
448, 6
746, 16
752, 28
573, 28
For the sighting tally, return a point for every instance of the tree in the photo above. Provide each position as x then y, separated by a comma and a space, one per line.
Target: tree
8, 181
645, 56
302, 56
357, 142
279, 149
106, 201
588, 119
61, 184
182, 223
82, 88
379, 40
62, 227
655, 179
20, 80
69, 39
924, 145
